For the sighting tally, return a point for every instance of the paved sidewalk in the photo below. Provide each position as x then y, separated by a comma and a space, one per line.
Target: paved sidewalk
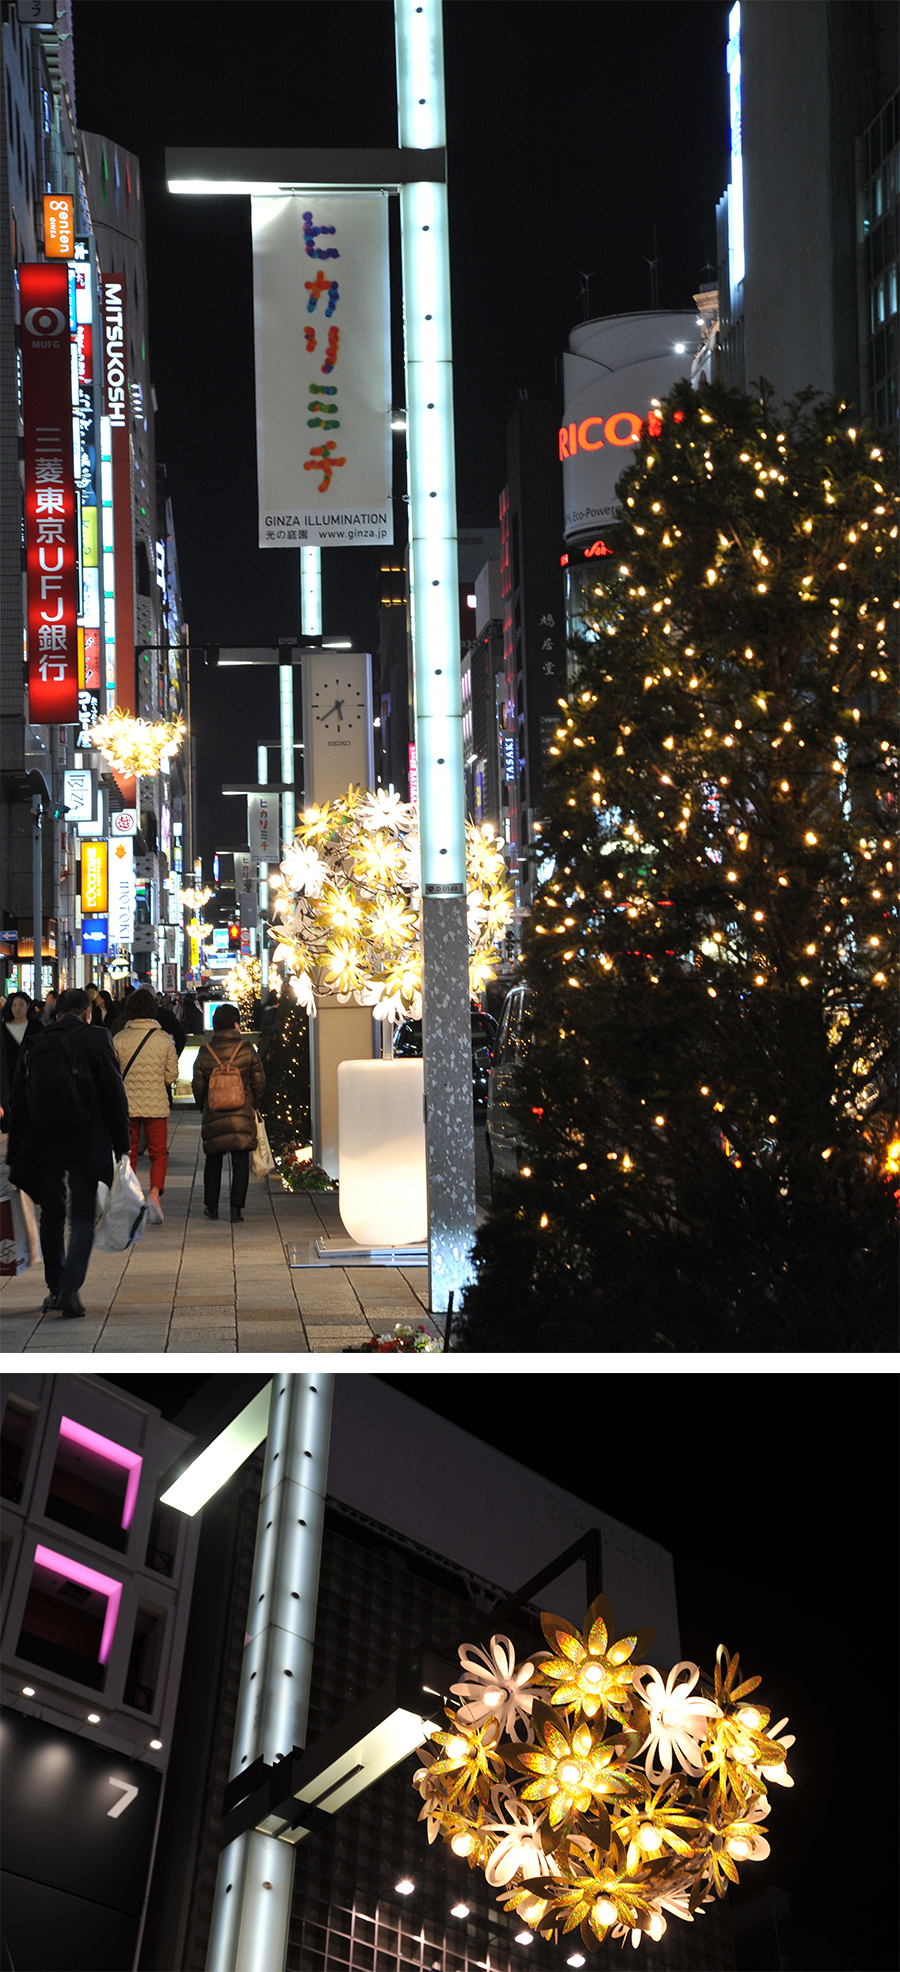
200, 1284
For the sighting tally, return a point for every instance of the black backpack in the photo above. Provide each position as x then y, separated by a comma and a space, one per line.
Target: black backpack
59, 1088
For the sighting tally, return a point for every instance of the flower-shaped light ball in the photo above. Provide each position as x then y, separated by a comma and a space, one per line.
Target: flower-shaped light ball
137, 746
495, 1687
677, 1720
568, 1824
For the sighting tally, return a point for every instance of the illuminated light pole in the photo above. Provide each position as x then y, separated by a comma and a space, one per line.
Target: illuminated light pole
262, 769
252, 1905
311, 591
434, 617
286, 704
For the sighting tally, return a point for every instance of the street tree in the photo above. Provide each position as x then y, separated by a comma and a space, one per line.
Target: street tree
707, 1091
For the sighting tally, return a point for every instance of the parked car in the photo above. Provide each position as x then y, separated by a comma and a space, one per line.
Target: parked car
408, 1041
502, 1135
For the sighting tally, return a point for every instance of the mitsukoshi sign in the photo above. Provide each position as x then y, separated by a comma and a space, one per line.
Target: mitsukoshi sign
613, 370
323, 373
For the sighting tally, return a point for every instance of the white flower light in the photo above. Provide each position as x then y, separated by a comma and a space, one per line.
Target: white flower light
495, 1687
677, 1721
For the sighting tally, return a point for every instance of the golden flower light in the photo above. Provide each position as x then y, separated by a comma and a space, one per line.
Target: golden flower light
137, 746
349, 905
566, 1818
194, 900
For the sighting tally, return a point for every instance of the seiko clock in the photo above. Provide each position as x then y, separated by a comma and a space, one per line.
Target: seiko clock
337, 723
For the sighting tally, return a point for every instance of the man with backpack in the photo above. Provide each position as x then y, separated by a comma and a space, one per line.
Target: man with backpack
69, 1120
228, 1081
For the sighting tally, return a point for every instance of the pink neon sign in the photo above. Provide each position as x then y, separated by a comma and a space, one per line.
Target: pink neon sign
87, 1578
78, 1434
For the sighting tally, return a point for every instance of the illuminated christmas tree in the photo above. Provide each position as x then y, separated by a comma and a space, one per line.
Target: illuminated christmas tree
286, 1103
707, 1098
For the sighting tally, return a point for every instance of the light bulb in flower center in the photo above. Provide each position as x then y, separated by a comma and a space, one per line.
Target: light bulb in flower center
569, 1773
605, 1911
493, 1697
462, 1845
650, 1838
594, 1675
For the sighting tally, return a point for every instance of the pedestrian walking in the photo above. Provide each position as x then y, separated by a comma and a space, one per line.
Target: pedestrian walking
229, 1080
69, 1121
21, 1024
98, 1010
149, 1066
191, 1014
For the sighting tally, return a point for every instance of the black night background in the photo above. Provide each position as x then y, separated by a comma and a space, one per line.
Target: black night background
574, 129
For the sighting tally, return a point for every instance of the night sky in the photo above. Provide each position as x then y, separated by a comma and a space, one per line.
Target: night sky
574, 128
776, 1495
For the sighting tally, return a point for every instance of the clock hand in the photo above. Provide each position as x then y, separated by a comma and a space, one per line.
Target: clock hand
336, 707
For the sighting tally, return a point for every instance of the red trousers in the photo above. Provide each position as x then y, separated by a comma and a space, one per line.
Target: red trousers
156, 1131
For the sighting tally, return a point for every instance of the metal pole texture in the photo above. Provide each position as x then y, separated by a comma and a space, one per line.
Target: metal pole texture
252, 1907
434, 611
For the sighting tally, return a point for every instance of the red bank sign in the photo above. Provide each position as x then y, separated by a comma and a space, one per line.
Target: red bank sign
51, 520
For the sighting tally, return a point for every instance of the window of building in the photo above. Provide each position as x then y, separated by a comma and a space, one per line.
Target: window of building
70, 1617
144, 1659
94, 1484
16, 1439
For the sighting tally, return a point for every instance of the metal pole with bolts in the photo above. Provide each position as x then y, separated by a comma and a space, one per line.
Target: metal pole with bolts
252, 1905
417, 171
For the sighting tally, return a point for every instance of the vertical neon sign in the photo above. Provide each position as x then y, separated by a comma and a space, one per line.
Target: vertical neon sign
736, 213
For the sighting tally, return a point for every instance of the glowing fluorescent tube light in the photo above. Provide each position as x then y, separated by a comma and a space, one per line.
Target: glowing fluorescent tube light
87, 1578
78, 1434
210, 1469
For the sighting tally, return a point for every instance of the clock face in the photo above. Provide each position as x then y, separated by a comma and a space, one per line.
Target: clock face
338, 704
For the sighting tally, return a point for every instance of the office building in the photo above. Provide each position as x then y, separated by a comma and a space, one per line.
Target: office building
808, 226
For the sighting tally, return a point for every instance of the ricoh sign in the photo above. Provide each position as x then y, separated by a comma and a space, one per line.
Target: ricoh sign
612, 371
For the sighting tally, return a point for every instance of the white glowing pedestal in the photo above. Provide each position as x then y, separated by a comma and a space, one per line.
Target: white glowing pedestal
381, 1152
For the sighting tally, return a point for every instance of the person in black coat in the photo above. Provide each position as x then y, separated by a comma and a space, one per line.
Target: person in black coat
19, 1029
69, 1118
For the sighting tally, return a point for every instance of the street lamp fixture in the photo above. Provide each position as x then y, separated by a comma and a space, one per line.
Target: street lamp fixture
202, 1470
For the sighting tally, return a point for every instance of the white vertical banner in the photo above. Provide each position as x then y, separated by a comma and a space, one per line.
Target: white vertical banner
121, 890
262, 827
321, 313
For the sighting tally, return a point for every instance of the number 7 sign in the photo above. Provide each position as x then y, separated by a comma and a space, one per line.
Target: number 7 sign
129, 1794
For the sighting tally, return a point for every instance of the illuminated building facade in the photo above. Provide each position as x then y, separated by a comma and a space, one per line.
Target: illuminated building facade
71, 210
97, 1582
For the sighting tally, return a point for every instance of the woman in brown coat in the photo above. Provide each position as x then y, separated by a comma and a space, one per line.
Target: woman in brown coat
231, 1129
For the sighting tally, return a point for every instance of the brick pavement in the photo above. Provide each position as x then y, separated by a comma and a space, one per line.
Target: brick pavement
194, 1284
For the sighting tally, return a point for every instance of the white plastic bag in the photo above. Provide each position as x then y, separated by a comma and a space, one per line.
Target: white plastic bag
121, 1221
19, 1246
262, 1161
